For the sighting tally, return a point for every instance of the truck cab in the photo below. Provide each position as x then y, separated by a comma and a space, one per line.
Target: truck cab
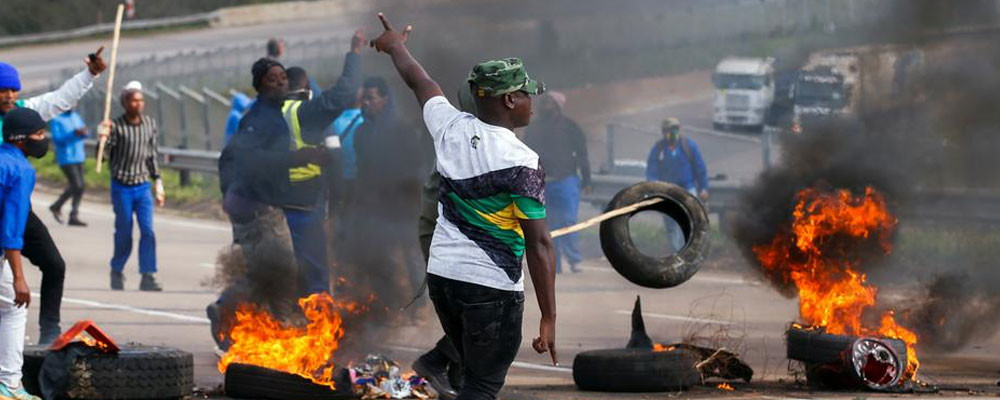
744, 92
825, 90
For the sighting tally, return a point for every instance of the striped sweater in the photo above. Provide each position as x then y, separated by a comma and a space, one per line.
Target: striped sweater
132, 151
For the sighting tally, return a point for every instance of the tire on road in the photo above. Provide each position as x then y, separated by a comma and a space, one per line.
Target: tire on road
136, 372
244, 381
657, 272
635, 370
817, 347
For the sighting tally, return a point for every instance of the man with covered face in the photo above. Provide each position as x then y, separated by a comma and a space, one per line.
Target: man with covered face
276, 159
39, 248
676, 159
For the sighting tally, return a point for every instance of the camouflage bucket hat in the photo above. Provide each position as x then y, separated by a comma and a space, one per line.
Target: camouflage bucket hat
499, 77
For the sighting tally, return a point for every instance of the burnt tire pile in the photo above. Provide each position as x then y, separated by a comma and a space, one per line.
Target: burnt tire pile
828, 359
635, 370
136, 372
657, 272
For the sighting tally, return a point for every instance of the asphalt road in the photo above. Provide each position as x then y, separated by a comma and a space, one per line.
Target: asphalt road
723, 306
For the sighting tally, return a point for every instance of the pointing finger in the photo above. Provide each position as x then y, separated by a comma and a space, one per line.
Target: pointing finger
385, 21
552, 352
98, 52
406, 32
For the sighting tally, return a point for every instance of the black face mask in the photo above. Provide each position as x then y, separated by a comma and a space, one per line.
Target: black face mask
36, 148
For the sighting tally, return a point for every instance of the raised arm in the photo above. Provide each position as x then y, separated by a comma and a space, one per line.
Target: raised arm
56, 102
394, 44
317, 114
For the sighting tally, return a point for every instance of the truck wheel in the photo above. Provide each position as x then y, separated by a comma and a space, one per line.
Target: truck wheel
657, 272
635, 370
816, 347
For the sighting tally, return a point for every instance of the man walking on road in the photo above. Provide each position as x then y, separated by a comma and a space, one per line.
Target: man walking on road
132, 155
39, 248
68, 132
492, 214
676, 159
562, 147
259, 164
23, 135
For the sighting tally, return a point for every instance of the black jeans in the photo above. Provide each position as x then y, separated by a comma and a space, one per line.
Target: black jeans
74, 175
42, 251
484, 324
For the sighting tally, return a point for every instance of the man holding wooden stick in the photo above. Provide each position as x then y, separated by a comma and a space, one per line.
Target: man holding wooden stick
39, 248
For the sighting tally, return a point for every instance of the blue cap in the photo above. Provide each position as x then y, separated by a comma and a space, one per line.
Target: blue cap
9, 78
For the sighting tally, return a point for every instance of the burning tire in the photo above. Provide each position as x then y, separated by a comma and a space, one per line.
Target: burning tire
136, 372
635, 370
244, 381
657, 272
817, 347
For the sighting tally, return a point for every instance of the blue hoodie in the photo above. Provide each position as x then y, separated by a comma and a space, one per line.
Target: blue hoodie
241, 103
69, 145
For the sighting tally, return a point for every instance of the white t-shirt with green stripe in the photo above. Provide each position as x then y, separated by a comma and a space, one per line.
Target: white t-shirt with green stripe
489, 181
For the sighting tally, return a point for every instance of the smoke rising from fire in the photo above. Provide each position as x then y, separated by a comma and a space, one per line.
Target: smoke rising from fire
946, 137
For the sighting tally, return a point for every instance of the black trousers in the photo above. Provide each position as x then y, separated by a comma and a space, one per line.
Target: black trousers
484, 325
74, 175
42, 251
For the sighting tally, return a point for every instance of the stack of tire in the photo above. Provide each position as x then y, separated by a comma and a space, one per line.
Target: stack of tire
636, 370
826, 355
135, 372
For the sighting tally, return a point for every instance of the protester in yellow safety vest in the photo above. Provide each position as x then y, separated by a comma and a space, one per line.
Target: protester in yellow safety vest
277, 154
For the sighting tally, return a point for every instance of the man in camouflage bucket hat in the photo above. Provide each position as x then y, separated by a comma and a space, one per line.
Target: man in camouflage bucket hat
492, 215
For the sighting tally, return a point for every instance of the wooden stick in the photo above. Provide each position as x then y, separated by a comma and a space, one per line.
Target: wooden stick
111, 83
604, 217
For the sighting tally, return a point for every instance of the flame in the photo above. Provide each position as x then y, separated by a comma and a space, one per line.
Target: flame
89, 341
818, 254
659, 347
260, 339
725, 386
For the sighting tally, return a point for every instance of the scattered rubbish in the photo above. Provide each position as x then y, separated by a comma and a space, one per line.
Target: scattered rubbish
380, 378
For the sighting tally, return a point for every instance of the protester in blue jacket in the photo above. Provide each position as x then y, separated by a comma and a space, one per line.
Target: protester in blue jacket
240, 104
676, 159
23, 135
68, 132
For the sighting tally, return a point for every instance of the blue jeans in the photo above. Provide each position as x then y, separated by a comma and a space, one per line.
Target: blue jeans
126, 200
562, 203
308, 232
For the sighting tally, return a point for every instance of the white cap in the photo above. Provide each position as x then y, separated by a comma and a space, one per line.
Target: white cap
132, 85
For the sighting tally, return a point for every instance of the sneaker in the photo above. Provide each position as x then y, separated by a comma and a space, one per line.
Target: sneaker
117, 281
18, 393
56, 213
438, 378
575, 267
215, 323
148, 284
73, 221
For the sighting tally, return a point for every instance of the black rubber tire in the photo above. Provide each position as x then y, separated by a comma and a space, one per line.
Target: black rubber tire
635, 370
245, 381
815, 347
136, 372
657, 272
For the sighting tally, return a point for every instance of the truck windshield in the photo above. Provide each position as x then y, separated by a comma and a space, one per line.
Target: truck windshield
813, 93
739, 81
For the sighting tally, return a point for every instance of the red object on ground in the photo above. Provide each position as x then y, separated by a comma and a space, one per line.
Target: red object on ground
104, 341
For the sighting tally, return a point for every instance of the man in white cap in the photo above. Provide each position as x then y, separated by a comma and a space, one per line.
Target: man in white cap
132, 154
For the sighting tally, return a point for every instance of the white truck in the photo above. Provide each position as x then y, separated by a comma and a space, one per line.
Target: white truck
744, 92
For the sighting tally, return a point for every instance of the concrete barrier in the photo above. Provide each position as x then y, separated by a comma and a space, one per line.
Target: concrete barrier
286, 11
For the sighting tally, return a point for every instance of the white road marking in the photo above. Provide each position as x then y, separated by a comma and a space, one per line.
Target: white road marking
137, 310
676, 318
207, 265
516, 364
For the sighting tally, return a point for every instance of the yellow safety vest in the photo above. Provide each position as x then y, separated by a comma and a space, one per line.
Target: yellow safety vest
309, 171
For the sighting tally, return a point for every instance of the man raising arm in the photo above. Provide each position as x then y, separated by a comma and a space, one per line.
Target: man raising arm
492, 213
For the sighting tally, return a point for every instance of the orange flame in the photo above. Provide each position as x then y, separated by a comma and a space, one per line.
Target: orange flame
818, 254
725, 386
89, 341
260, 339
659, 347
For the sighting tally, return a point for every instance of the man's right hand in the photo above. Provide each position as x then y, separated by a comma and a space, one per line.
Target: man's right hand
358, 41
389, 38
22, 293
104, 130
546, 340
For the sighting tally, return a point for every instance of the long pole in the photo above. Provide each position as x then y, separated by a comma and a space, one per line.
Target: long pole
111, 82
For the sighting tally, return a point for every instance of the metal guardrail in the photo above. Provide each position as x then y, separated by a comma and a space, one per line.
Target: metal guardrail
202, 161
109, 27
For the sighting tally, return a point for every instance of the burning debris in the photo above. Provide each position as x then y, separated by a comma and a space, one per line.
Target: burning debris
645, 366
380, 378
820, 254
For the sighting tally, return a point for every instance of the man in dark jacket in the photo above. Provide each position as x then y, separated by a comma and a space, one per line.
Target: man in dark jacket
562, 147
276, 158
